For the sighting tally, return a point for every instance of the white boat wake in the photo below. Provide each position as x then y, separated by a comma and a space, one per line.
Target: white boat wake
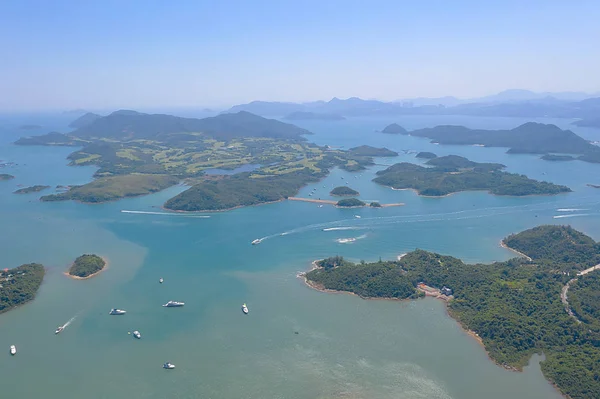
165, 213
570, 209
572, 215
350, 240
342, 228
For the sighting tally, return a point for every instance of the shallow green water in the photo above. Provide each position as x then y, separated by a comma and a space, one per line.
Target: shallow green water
345, 347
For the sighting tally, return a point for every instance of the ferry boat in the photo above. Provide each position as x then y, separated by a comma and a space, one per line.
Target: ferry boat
245, 309
256, 242
168, 366
160, 280
137, 334
59, 329
117, 312
173, 304
13, 350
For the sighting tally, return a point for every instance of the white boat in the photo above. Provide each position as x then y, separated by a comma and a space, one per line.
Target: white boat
160, 280
245, 309
168, 366
137, 334
357, 216
173, 304
59, 329
117, 312
256, 242
13, 350
345, 240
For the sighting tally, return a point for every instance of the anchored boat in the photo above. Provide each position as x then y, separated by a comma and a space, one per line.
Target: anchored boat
173, 304
245, 309
168, 366
117, 312
13, 350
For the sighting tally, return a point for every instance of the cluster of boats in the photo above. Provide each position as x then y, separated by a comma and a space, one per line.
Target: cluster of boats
136, 334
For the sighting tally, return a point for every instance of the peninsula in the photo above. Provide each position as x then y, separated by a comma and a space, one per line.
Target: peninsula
342, 191
514, 307
368, 151
139, 153
6, 176
86, 266
529, 138
19, 285
452, 173
31, 189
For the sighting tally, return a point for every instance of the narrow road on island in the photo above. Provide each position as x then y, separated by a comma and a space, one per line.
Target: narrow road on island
565, 290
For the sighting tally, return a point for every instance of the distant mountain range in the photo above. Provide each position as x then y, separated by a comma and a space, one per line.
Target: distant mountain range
511, 103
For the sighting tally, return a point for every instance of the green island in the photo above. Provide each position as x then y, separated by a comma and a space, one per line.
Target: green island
426, 155
452, 173
31, 189
19, 285
557, 158
85, 120
514, 307
529, 138
589, 122
343, 191
350, 203
375, 205
139, 153
301, 115
394, 128
368, 151
6, 176
86, 266
594, 185
114, 187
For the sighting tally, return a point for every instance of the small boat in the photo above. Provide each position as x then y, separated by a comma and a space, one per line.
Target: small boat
173, 304
160, 280
59, 329
256, 242
117, 312
245, 309
168, 366
320, 206
137, 334
13, 350
357, 216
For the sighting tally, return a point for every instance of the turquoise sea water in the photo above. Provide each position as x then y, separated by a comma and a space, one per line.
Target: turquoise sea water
345, 347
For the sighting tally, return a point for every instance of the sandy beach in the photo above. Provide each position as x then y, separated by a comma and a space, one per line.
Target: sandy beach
106, 264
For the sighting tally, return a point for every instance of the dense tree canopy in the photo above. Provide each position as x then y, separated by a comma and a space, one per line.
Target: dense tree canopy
86, 265
514, 306
19, 285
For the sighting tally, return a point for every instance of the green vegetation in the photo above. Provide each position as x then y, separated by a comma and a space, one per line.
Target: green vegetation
53, 138
86, 265
115, 187
426, 155
343, 191
299, 116
368, 151
240, 190
394, 128
584, 299
529, 138
32, 189
6, 176
375, 205
140, 153
19, 285
557, 158
350, 203
514, 306
452, 173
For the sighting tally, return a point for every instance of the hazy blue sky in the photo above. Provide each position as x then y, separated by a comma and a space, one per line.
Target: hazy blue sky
108, 54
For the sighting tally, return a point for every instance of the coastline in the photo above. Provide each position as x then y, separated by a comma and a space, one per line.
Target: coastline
106, 264
503, 245
445, 299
